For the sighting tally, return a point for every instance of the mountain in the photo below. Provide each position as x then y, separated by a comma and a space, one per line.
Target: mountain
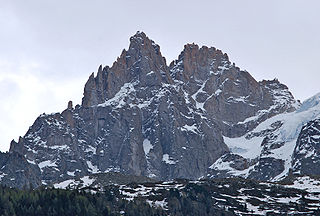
200, 116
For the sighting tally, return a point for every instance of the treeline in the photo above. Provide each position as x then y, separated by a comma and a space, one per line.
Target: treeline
50, 202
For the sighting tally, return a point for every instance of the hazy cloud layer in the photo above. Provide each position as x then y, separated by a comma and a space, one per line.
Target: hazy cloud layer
49, 48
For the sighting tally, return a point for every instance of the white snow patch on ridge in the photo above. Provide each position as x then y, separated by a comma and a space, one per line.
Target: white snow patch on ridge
31, 161
2, 175
192, 128
91, 149
167, 160
70, 173
158, 204
225, 165
82, 182
64, 184
147, 146
62, 147
87, 181
194, 96
306, 183
221, 165
47, 163
118, 99
309, 103
247, 148
150, 73
92, 168
218, 92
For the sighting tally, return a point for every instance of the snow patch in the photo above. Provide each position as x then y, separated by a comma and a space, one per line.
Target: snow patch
92, 168
2, 175
147, 146
306, 183
87, 181
64, 184
192, 128
194, 96
91, 149
150, 73
167, 160
247, 148
31, 162
119, 99
158, 204
47, 163
62, 147
70, 173
218, 92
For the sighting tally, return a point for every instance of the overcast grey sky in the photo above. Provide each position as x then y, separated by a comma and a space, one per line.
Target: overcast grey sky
49, 48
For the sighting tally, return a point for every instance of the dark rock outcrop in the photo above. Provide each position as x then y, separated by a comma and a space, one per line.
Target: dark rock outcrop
16, 171
306, 157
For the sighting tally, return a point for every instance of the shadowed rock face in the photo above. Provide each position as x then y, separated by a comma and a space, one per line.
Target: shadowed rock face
136, 63
227, 94
306, 157
143, 117
16, 171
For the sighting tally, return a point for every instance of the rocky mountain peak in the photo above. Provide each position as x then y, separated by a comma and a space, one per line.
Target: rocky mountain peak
142, 64
219, 87
140, 41
142, 57
196, 62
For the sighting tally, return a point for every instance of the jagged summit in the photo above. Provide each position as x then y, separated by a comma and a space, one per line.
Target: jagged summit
133, 66
140, 40
196, 62
139, 36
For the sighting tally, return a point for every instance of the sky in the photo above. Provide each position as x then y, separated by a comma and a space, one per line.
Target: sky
49, 48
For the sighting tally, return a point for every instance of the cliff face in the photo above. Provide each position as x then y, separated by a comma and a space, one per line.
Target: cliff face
306, 156
134, 64
228, 95
282, 145
143, 117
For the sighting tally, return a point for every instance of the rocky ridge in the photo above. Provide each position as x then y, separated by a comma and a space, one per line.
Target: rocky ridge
286, 143
143, 117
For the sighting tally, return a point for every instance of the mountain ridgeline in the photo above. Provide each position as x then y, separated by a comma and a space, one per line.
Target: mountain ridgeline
146, 118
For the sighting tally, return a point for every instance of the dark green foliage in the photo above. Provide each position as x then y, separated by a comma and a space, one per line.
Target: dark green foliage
69, 202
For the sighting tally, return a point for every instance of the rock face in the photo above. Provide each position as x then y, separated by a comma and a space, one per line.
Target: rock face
16, 171
306, 156
285, 143
143, 117
226, 94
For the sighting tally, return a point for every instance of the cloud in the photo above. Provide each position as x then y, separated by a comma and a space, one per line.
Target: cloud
24, 96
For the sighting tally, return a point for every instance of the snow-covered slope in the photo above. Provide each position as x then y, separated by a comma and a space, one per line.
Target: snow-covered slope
300, 196
267, 151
